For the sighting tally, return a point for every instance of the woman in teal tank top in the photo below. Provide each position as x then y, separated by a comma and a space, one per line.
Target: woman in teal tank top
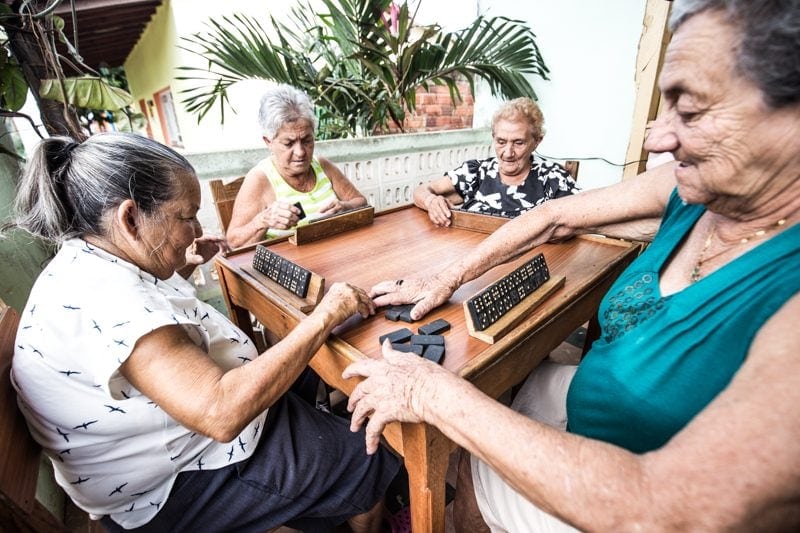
266, 205
685, 414
661, 359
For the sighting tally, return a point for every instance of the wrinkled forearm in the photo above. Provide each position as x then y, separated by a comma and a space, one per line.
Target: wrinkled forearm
514, 238
355, 202
643, 230
572, 477
248, 390
243, 235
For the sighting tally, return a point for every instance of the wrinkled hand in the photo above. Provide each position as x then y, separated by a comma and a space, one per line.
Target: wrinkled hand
279, 215
204, 248
427, 294
394, 390
334, 206
343, 301
439, 210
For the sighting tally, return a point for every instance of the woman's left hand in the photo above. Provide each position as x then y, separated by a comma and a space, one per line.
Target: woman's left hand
393, 390
204, 248
334, 206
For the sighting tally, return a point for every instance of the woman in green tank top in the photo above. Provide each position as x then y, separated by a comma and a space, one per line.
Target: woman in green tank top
291, 186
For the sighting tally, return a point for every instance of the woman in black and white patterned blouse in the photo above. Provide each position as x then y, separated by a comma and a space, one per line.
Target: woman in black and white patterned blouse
506, 185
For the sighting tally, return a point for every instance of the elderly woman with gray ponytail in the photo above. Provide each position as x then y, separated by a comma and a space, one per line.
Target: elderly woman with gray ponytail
157, 412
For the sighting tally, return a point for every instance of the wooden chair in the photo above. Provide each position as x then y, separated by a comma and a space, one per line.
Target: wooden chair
20, 456
572, 167
224, 195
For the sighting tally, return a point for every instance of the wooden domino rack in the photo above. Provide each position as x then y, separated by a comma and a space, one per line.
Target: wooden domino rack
479, 222
333, 224
498, 308
284, 278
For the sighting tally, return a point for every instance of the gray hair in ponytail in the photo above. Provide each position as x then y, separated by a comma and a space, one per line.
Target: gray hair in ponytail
67, 188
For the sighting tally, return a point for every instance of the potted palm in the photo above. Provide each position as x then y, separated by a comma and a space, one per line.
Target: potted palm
362, 61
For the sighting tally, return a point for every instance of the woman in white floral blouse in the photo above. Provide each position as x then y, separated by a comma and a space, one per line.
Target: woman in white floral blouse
506, 185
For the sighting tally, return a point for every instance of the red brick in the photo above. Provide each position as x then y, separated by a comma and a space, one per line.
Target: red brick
424, 98
434, 110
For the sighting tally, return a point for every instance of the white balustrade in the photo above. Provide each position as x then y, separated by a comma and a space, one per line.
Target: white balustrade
385, 169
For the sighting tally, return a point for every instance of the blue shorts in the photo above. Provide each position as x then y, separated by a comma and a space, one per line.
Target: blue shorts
309, 472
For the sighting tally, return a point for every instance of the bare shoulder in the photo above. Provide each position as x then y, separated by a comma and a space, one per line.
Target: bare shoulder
651, 189
256, 186
778, 341
254, 178
330, 168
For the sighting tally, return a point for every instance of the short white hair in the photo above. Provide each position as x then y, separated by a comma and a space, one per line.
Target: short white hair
282, 104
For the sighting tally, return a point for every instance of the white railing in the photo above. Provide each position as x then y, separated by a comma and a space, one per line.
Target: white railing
389, 181
385, 169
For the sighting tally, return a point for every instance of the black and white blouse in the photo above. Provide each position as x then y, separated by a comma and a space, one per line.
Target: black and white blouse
478, 182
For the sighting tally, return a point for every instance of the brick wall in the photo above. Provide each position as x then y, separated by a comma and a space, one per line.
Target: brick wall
435, 110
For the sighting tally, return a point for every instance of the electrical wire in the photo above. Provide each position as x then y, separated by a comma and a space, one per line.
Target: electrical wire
591, 159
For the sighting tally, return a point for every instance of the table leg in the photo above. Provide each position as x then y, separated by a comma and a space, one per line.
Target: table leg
592, 334
426, 451
239, 315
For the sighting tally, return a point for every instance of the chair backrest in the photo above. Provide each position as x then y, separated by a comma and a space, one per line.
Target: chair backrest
224, 195
19, 453
572, 167
20, 459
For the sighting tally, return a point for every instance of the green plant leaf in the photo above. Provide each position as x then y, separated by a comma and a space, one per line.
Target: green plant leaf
86, 91
13, 87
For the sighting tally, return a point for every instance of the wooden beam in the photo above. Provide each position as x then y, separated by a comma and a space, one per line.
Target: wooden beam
652, 44
89, 5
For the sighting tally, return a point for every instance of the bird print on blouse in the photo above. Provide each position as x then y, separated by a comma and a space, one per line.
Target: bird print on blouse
113, 447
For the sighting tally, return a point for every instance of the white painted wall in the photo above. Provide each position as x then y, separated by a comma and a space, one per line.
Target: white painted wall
590, 48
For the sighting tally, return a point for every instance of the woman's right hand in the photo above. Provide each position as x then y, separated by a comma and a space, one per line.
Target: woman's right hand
438, 210
424, 293
344, 300
279, 215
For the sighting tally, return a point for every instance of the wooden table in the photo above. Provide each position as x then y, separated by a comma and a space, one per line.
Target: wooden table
404, 243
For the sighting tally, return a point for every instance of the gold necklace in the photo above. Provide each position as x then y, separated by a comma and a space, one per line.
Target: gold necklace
695, 275
760, 233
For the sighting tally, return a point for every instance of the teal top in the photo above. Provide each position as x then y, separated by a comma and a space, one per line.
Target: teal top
661, 360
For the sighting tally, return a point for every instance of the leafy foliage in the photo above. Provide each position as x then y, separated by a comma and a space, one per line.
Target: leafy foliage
362, 61
89, 92
92, 94
13, 88
98, 99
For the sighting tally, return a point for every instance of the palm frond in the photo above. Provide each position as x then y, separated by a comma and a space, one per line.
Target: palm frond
361, 70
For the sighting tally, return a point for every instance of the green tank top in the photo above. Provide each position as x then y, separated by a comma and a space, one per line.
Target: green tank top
661, 360
312, 201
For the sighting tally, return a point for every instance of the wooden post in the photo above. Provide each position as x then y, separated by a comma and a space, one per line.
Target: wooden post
652, 44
